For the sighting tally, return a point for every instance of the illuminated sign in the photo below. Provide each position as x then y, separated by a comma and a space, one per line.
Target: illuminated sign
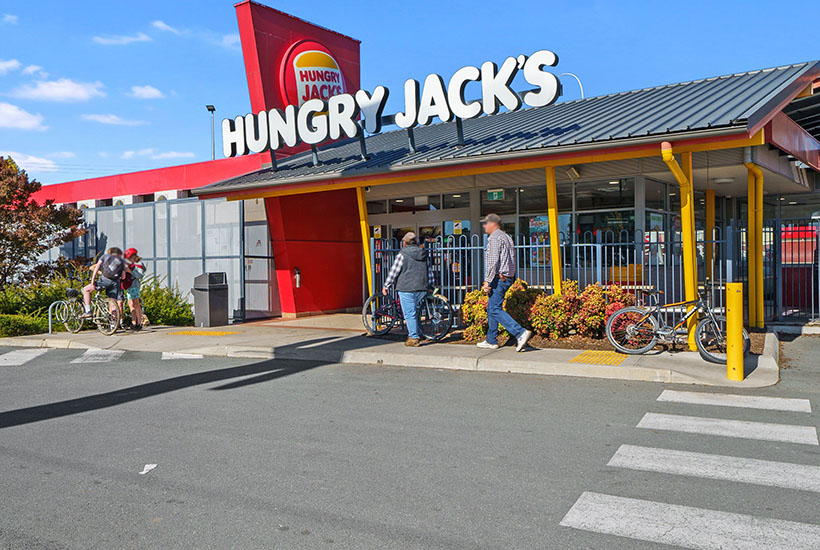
321, 109
309, 71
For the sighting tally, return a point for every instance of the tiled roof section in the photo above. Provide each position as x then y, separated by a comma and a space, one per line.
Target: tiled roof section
716, 104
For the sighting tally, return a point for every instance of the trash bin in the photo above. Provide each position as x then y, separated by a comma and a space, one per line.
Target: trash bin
211, 300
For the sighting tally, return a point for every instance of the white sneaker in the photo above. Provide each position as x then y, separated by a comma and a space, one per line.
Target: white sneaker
486, 345
523, 339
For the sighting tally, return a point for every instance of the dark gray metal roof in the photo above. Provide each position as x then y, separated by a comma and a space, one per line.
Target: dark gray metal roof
721, 104
806, 112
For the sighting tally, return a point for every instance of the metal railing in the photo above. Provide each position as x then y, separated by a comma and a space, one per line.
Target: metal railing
633, 260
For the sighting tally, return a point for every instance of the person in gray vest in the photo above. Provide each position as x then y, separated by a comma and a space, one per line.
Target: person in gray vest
412, 276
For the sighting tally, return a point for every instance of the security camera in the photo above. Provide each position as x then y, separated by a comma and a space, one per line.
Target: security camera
367, 189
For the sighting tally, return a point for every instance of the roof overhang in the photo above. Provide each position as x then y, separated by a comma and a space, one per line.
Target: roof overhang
702, 140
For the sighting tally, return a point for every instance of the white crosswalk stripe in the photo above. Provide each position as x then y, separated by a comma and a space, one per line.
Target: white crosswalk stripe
19, 357
731, 400
730, 428
169, 355
728, 468
686, 526
99, 356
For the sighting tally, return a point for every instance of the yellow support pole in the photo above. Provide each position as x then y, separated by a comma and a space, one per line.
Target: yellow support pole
710, 230
683, 175
555, 239
365, 228
734, 332
751, 245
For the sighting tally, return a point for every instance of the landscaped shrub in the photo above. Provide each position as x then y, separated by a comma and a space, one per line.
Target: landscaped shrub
22, 325
618, 298
474, 315
518, 302
591, 318
554, 315
163, 305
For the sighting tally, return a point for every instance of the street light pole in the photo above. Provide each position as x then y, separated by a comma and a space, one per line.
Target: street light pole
211, 110
575, 76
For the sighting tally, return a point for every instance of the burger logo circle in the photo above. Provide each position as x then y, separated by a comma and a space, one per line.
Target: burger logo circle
309, 71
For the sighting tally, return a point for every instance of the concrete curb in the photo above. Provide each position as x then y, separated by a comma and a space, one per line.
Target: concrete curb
765, 373
795, 329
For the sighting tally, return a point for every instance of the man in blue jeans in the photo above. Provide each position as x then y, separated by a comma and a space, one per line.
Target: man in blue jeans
412, 275
499, 275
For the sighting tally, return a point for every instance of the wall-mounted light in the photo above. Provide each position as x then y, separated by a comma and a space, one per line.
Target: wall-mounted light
573, 173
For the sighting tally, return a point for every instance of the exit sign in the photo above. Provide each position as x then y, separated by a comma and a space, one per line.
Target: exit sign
495, 194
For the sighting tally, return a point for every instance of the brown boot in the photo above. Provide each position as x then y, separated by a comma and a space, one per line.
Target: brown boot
412, 343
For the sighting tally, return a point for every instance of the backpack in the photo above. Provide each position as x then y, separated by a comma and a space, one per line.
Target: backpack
112, 266
127, 281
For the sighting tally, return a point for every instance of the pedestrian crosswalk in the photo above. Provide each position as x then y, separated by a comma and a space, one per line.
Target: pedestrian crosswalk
19, 357
703, 528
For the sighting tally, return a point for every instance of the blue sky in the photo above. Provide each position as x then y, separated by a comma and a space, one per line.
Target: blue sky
90, 88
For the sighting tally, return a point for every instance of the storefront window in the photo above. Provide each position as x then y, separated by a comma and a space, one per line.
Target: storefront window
498, 201
377, 207
608, 224
532, 200
615, 193
456, 200
655, 195
415, 204
535, 229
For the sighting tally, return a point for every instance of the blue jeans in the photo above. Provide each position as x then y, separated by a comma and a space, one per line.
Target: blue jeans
411, 307
496, 313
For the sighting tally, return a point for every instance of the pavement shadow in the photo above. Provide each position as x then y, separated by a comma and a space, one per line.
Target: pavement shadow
266, 371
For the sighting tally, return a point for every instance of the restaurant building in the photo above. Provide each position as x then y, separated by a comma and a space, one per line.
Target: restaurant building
659, 187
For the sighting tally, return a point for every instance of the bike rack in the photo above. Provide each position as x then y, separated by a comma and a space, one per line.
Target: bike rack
50, 309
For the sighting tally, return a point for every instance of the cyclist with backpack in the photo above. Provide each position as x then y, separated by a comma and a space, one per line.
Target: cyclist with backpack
110, 269
131, 286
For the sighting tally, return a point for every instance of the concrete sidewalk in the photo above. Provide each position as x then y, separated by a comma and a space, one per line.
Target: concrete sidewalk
264, 341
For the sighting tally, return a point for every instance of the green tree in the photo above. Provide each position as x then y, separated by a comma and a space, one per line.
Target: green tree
27, 228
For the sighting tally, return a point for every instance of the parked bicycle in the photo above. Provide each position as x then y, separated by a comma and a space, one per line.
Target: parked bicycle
381, 313
103, 314
636, 330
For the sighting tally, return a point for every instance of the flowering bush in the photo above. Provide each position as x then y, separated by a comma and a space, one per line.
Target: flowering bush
591, 318
474, 315
518, 302
554, 316
618, 298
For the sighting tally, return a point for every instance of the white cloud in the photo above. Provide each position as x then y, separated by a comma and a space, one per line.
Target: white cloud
163, 26
12, 116
140, 153
10, 65
173, 155
103, 154
35, 69
30, 163
62, 89
10, 19
146, 92
230, 41
122, 40
113, 119
62, 155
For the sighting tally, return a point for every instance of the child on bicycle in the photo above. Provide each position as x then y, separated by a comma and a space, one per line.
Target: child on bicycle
132, 292
110, 268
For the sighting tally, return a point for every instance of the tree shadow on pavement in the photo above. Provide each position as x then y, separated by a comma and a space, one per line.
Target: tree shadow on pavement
269, 369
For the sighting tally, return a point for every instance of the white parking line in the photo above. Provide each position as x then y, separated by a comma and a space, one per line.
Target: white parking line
686, 526
732, 400
99, 356
728, 468
730, 428
168, 355
19, 357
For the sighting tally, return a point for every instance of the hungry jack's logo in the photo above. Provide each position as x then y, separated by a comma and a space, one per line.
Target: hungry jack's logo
309, 71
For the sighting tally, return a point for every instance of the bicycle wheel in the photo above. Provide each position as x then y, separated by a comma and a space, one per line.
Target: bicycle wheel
710, 338
436, 317
73, 321
108, 320
379, 314
632, 330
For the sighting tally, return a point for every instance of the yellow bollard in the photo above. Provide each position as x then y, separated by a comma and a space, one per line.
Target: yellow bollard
734, 331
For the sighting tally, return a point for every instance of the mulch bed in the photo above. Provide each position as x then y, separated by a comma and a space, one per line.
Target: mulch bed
580, 343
